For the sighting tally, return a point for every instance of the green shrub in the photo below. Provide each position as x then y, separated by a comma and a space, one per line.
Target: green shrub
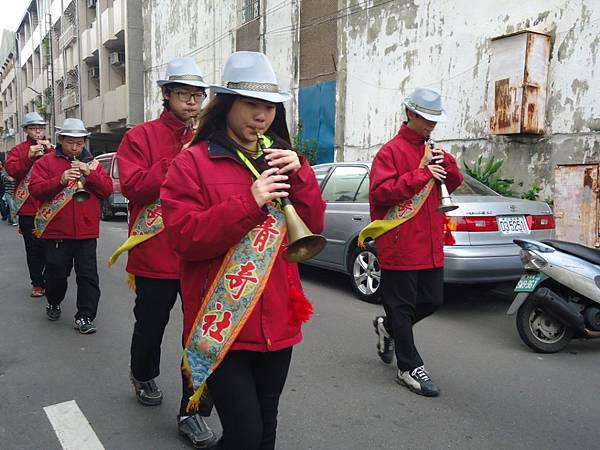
488, 173
309, 148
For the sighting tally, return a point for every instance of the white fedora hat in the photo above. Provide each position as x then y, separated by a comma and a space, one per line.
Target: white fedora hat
33, 118
251, 74
427, 103
73, 128
183, 71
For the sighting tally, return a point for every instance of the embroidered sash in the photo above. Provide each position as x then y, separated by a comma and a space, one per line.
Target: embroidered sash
147, 224
51, 208
398, 214
22, 191
230, 300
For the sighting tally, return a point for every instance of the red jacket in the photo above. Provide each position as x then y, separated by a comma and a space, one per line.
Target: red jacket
395, 177
76, 220
17, 166
209, 208
144, 156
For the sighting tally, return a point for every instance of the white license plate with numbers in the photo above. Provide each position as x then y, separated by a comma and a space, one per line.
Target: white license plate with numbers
512, 225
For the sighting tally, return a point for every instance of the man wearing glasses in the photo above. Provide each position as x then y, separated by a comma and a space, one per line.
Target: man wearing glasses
19, 162
144, 156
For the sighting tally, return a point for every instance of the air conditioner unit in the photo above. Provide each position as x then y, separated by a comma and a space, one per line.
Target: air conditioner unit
91, 3
94, 73
116, 58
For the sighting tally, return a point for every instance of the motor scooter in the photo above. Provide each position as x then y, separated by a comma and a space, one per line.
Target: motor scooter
558, 297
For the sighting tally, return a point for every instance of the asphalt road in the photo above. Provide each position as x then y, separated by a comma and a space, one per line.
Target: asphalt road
495, 392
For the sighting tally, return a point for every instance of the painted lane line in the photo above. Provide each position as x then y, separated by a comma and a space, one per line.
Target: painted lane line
71, 427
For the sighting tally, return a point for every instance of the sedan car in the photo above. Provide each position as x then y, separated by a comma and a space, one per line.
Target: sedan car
485, 224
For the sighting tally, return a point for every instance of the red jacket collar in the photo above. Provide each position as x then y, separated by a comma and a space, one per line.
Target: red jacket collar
172, 122
410, 135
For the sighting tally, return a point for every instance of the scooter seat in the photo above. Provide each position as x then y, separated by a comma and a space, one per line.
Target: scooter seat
581, 251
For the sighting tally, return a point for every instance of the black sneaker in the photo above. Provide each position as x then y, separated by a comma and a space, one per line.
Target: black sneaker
53, 312
385, 343
197, 431
84, 325
147, 392
418, 381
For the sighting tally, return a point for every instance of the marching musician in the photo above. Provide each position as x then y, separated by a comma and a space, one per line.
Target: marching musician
243, 302
144, 158
19, 162
67, 227
409, 232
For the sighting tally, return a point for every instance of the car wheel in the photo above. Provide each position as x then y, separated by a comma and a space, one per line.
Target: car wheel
540, 331
105, 212
365, 275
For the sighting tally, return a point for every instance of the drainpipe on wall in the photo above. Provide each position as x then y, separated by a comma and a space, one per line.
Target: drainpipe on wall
18, 92
78, 58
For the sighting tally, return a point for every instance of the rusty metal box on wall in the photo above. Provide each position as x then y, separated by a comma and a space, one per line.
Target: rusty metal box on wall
518, 83
577, 203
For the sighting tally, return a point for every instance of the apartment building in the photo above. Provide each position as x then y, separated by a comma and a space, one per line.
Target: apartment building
8, 92
82, 58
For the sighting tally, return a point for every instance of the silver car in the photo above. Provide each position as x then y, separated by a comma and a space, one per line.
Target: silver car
485, 225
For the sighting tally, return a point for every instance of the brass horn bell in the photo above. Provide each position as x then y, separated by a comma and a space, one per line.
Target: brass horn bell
302, 244
445, 200
80, 194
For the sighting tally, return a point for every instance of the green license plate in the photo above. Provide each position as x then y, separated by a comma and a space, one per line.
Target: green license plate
528, 283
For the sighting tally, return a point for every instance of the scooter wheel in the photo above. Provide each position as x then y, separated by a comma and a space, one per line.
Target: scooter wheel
540, 331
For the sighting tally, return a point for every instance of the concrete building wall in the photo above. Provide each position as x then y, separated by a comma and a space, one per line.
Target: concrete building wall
209, 31
389, 48
204, 31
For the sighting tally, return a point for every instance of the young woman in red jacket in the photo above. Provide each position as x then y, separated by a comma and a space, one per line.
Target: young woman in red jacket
243, 304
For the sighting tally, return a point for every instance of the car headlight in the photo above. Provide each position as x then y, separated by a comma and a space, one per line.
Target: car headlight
532, 261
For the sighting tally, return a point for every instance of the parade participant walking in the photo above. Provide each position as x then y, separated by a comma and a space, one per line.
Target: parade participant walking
8, 197
19, 161
67, 223
243, 303
409, 234
144, 157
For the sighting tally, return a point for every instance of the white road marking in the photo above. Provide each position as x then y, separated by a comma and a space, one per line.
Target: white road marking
72, 428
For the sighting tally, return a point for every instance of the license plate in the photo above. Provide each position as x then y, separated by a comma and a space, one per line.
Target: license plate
512, 225
528, 283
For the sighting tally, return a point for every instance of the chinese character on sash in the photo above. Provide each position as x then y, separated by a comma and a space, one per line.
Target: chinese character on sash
153, 215
264, 233
214, 324
236, 282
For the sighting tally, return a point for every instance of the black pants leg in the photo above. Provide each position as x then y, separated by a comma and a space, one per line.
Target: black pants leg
59, 261
34, 249
408, 297
246, 388
153, 303
86, 271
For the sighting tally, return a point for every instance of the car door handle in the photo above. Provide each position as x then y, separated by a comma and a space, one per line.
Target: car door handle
357, 218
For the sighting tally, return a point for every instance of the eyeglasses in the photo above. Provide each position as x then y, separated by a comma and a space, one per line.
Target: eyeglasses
186, 96
34, 128
71, 143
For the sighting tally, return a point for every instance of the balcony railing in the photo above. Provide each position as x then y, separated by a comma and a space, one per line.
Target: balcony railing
67, 37
69, 100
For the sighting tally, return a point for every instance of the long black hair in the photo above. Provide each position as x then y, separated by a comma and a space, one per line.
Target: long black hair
213, 120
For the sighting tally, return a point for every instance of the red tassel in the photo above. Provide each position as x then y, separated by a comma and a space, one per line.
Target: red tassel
300, 309
448, 238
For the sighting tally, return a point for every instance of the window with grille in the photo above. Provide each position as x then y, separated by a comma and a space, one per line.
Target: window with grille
250, 10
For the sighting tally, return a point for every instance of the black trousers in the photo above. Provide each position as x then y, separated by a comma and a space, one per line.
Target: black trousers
246, 388
408, 297
153, 303
61, 255
34, 249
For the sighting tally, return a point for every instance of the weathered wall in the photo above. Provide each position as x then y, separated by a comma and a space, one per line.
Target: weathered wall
207, 31
389, 48
173, 28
